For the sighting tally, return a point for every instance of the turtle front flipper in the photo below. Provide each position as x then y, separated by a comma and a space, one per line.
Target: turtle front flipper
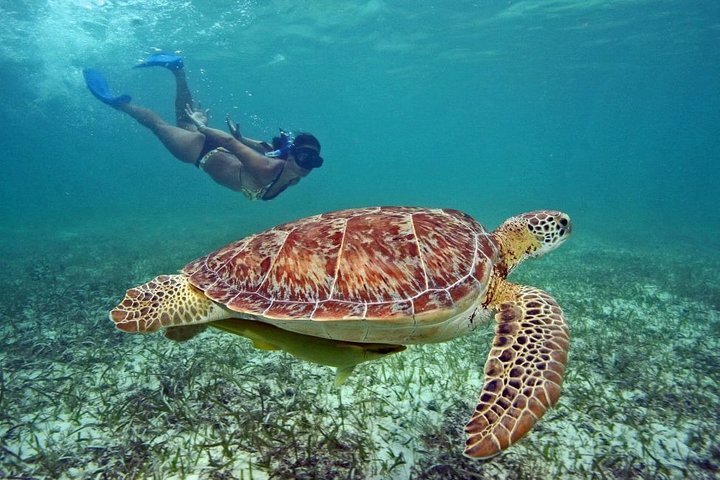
523, 372
165, 301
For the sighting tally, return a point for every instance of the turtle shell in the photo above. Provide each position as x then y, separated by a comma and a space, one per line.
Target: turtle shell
392, 274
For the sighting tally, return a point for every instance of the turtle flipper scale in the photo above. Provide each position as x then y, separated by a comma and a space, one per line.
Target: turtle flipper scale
523, 373
165, 301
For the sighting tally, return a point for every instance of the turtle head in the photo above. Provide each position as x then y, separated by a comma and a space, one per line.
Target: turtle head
550, 229
531, 234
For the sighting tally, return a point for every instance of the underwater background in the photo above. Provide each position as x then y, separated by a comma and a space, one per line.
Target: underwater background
607, 110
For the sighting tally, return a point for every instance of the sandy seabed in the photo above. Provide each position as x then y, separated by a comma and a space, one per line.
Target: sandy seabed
79, 399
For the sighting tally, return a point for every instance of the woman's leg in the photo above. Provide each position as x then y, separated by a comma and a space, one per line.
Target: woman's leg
184, 144
183, 97
225, 169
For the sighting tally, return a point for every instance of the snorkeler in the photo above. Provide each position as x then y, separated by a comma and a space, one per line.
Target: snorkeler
259, 170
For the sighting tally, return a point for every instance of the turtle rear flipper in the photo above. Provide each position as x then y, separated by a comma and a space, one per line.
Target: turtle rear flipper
165, 301
523, 373
184, 333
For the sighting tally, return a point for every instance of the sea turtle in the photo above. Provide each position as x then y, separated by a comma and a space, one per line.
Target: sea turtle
392, 276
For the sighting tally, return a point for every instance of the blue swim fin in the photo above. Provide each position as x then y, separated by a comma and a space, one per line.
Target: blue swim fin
99, 87
167, 60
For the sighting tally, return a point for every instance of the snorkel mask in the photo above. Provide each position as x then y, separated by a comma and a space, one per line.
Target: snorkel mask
305, 156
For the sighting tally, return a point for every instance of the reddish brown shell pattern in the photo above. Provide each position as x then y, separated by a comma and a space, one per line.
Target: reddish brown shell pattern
384, 263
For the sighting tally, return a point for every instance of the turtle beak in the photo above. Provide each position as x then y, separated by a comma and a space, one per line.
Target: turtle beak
565, 224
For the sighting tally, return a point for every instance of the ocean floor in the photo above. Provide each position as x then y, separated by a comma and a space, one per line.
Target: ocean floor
79, 399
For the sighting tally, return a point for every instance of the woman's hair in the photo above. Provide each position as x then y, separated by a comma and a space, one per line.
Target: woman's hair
304, 138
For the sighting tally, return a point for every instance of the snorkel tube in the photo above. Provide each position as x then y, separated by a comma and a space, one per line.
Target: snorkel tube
287, 140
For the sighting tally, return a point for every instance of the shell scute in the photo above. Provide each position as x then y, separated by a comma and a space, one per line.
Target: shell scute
286, 310
247, 267
379, 260
391, 311
444, 246
219, 291
333, 310
304, 266
249, 302
432, 300
463, 289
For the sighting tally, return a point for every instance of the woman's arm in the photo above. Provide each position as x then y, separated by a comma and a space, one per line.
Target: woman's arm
257, 145
261, 167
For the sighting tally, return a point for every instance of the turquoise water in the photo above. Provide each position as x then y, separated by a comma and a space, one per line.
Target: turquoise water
607, 110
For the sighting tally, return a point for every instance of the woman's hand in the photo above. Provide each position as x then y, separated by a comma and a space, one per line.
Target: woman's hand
233, 127
198, 117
